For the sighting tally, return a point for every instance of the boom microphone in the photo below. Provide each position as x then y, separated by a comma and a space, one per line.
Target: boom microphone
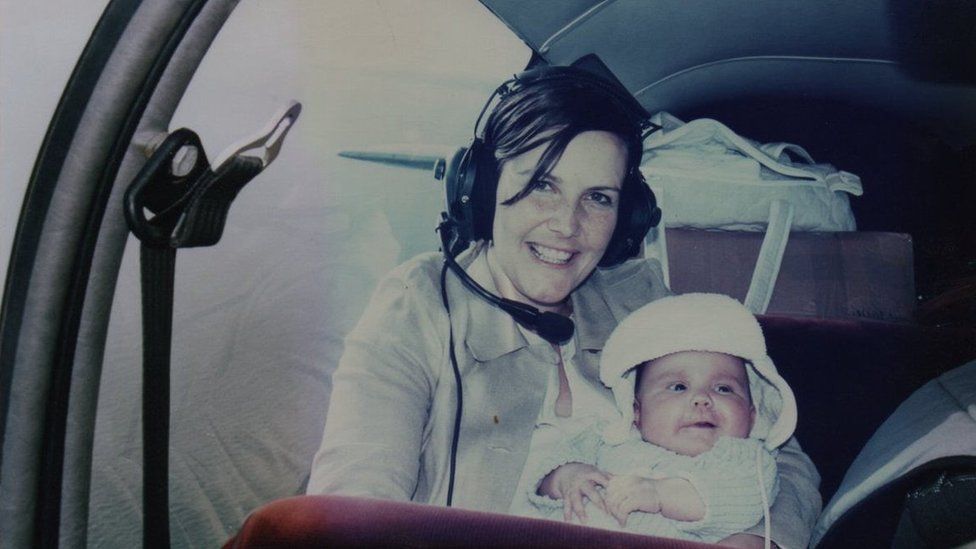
552, 327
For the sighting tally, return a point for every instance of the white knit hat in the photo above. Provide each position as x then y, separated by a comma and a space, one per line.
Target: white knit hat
697, 322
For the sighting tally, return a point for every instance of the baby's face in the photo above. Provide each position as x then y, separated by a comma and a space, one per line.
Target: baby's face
686, 400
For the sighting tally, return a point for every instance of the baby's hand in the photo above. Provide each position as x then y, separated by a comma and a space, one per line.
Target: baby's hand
575, 483
628, 493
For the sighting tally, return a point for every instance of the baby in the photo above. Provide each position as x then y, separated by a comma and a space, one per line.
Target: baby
693, 454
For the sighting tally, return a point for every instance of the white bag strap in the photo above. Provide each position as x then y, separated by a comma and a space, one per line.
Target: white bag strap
770, 257
666, 121
844, 181
776, 151
661, 242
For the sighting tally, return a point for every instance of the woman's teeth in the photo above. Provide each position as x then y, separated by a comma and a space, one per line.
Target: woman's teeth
550, 255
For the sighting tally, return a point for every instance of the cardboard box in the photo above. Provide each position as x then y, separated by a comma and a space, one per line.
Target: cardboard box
853, 275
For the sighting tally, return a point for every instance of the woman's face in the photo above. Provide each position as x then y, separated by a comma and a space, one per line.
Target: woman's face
546, 244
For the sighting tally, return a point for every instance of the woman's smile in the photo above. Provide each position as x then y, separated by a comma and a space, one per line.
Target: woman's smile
551, 256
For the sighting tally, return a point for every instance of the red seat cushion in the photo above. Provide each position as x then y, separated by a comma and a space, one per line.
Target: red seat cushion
336, 521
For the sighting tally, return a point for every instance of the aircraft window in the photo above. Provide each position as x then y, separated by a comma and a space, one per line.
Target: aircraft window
259, 318
32, 81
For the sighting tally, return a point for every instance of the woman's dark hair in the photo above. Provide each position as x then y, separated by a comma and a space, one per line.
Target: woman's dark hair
555, 110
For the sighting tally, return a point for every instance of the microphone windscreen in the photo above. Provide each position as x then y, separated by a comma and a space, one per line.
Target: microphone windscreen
554, 328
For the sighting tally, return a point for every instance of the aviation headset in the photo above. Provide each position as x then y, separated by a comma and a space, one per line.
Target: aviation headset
471, 181
472, 174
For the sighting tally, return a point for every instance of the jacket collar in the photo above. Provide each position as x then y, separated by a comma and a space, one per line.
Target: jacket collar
591, 313
492, 333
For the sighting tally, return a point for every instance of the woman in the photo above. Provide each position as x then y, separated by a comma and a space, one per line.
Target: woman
563, 154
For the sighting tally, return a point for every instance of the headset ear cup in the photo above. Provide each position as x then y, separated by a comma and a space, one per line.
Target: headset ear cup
484, 188
452, 182
471, 183
653, 212
460, 178
637, 215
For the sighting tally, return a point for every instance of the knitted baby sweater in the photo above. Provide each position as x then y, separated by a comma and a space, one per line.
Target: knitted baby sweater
726, 477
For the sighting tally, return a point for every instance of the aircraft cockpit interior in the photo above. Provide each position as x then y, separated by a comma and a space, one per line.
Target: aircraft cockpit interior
211, 207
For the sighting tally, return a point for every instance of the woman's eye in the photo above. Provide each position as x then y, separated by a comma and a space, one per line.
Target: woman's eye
724, 389
541, 185
677, 387
601, 198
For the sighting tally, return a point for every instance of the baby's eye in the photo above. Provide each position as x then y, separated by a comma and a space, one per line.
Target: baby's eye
724, 389
602, 199
677, 387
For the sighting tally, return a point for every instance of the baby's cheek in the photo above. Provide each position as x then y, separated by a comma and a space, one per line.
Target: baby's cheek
743, 419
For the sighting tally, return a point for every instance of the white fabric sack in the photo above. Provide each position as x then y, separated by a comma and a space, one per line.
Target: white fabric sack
706, 176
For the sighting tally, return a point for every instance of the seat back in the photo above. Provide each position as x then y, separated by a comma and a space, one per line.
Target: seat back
849, 376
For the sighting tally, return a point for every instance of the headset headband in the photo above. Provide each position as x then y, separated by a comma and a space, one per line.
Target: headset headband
605, 83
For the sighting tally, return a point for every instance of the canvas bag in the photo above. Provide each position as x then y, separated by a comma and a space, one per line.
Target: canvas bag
706, 176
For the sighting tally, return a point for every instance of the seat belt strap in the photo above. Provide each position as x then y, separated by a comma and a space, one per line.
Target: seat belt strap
191, 211
157, 267
189, 202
